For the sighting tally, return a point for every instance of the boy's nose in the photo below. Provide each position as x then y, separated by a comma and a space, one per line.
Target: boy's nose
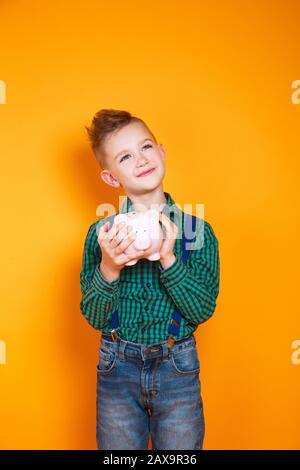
142, 159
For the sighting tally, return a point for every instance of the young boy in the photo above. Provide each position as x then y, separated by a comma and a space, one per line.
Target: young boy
146, 381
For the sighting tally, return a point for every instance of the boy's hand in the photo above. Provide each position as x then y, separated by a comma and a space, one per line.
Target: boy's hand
113, 243
167, 256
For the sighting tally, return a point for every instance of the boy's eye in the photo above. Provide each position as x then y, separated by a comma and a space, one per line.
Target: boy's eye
127, 155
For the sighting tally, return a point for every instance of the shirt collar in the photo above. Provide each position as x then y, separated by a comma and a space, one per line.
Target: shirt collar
168, 208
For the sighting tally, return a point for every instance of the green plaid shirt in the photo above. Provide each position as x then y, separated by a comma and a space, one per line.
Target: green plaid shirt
145, 293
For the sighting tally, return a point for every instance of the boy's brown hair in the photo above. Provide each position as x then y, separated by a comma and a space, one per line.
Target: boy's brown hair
105, 122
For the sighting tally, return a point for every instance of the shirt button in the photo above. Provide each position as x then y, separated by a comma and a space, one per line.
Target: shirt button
148, 284
146, 308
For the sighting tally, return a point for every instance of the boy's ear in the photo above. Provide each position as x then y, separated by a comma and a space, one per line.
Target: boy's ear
162, 151
109, 179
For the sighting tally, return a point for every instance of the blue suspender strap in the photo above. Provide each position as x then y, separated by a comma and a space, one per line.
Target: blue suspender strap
114, 323
173, 329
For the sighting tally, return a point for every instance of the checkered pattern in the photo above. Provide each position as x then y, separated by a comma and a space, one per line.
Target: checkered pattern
146, 294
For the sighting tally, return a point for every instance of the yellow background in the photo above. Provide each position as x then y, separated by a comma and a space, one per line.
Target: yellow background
213, 82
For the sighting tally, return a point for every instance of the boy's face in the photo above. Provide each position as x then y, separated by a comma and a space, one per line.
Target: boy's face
129, 152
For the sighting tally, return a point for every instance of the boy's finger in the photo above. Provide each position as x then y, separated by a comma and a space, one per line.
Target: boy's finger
171, 227
115, 229
103, 230
136, 255
167, 225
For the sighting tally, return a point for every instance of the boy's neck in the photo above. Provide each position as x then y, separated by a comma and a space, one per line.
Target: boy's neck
143, 202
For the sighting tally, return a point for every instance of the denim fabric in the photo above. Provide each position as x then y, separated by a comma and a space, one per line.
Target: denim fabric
144, 389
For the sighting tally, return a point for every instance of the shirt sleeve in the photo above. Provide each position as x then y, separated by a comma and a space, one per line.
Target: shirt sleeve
99, 296
194, 287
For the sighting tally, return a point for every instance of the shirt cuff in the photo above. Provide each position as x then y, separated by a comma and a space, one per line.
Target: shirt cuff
174, 274
103, 285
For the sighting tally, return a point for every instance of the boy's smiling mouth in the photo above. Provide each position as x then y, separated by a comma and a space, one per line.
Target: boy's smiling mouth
146, 172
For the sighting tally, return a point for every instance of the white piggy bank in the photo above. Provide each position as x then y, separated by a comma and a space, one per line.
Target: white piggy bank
149, 234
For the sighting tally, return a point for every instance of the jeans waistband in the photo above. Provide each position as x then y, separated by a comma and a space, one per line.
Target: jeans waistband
145, 350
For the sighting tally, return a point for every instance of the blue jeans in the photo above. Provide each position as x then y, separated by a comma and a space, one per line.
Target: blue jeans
144, 389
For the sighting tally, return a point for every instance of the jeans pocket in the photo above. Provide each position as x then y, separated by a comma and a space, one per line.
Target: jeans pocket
186, 361
107, 360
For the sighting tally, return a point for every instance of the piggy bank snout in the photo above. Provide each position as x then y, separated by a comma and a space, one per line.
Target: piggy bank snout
148, 233
143, 240
142, 243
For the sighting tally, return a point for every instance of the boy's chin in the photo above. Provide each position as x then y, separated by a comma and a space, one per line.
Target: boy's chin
150, 184
145, 185
148, 187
